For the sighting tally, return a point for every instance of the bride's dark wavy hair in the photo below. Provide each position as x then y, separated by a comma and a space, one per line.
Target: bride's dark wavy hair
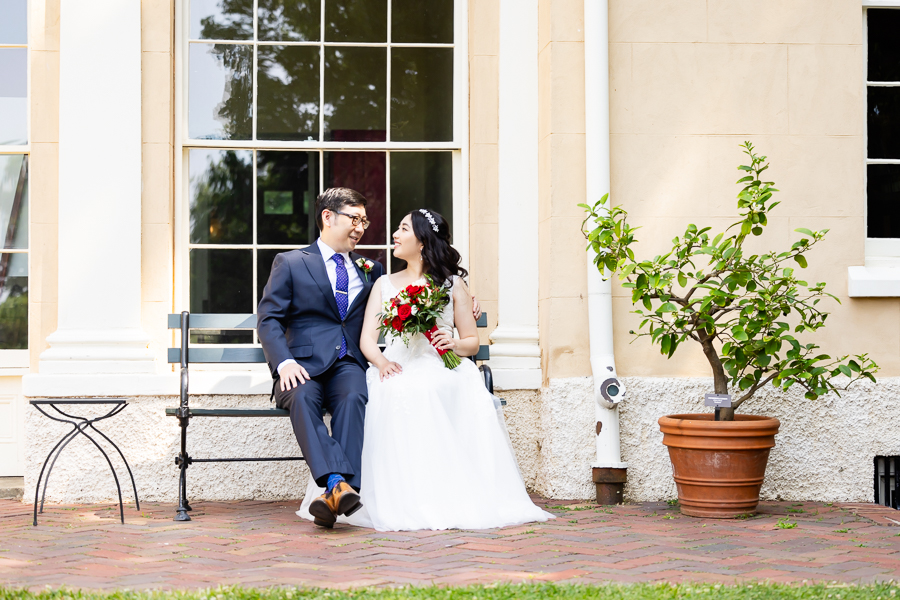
439, 258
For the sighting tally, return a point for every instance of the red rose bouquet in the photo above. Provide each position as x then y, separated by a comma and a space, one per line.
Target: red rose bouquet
416, 310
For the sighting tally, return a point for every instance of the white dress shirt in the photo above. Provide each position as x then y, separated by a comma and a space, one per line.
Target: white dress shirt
354, 284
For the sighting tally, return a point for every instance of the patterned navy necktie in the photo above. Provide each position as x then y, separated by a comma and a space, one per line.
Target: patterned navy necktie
341, 294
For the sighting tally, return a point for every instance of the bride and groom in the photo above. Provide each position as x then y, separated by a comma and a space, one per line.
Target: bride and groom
413, 444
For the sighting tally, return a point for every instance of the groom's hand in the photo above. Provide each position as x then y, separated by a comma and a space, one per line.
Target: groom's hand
292, 375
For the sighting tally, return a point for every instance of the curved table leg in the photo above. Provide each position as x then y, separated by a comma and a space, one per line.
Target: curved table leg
71, 435
137, 503
116, 477
37, 486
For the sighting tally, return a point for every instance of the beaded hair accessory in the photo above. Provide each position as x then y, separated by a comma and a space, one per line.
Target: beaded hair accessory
430, 219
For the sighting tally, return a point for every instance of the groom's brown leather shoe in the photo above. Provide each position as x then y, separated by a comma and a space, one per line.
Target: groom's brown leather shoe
322, 514
343, 499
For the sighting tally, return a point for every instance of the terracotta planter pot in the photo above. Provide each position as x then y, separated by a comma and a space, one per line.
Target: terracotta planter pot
718, 465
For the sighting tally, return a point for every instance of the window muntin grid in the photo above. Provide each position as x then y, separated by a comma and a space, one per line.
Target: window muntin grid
438, 161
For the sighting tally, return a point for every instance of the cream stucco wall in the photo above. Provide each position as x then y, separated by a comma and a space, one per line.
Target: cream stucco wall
689, 81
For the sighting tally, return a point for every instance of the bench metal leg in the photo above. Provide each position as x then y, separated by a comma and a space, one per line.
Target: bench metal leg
183, 461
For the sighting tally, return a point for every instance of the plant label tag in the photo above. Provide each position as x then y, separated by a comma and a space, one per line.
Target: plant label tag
718, 400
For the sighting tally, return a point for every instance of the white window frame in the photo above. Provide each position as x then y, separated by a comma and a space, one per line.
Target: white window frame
459, 146
16, 362
880, 252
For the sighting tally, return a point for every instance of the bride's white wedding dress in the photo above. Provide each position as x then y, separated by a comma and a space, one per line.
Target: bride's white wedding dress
436, 453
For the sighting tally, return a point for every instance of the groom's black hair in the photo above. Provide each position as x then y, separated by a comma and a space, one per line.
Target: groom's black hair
336, 198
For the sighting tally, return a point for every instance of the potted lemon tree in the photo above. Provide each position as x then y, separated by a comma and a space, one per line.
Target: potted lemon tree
747, 311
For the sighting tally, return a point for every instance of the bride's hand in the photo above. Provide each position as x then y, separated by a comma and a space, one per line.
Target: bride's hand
389, 370
443, 340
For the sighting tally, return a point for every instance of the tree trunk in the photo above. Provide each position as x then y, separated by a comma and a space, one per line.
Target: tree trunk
720, 380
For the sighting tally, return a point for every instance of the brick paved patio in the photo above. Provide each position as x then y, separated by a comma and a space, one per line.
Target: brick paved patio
264, 544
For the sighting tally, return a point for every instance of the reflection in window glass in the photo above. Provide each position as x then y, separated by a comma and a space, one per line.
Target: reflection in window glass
884, 122
13, 301
220, 91
356, 20
221, 19
221, 281
14, 24
416, 22
221, 196
365, 173
14, 200
420, 180
883, 199
287, 183
355, 82
288, 93
884, 44
421, 94
13, 96
289, 20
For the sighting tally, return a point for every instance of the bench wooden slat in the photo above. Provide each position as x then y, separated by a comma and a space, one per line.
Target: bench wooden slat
233, 412
215, 321
219, 355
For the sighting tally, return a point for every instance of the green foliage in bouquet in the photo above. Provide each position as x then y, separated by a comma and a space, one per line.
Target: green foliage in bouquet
735, 304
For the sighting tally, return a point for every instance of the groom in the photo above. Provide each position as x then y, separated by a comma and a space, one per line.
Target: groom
309, 322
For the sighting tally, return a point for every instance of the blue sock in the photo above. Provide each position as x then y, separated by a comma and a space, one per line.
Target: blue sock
333, 480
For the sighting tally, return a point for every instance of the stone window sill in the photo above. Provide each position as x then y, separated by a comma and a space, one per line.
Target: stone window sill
873, 282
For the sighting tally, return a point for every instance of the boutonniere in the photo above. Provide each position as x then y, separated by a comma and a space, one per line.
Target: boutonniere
366, 265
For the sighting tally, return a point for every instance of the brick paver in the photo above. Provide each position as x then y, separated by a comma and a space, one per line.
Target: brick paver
264, 544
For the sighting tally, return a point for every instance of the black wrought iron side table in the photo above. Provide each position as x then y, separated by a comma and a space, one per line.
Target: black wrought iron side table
79, 425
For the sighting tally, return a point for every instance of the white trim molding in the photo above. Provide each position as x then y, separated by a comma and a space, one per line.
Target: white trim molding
873, 282
516, 352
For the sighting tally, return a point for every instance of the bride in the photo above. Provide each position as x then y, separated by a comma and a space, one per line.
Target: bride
436, 454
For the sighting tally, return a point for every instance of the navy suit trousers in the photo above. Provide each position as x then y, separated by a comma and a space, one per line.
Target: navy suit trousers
341, 390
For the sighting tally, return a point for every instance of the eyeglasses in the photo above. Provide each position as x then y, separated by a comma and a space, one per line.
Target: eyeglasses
355, 220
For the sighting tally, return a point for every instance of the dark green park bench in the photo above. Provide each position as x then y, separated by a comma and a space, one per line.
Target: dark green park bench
187, 355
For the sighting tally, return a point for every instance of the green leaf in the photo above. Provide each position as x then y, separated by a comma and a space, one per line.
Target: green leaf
845, 370
739, 334
682, 280
805, 231
667, 307
801, 260
647, 304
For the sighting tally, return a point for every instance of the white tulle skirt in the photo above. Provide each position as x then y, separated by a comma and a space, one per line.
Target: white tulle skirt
436, 453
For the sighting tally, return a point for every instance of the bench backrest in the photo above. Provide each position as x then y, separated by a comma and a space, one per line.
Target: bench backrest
241, 354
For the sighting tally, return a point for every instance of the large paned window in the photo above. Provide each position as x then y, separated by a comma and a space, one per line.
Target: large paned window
883, 133
281, 99
14, 152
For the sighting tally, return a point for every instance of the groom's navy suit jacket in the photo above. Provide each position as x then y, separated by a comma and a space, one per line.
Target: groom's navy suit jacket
298, 316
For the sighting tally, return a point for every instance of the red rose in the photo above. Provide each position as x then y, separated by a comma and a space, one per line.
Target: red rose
404, 311
414, 290
397, 324
386, 322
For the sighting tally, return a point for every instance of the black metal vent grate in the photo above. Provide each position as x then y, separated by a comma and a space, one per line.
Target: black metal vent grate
887, 491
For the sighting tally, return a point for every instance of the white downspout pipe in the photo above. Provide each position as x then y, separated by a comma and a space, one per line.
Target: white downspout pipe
608, 470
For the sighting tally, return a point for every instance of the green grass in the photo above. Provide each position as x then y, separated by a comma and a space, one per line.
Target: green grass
497, 592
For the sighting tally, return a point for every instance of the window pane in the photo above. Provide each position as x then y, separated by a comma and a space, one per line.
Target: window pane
221, 196
421, 180
884, 44
13, 96
221, 281
220, 91
264, 260
14, 200
288, 93
14, 24
376, 254
421, 94
356, 20
884, 122
365, 173
290, 20
355, 84
286, 188
414, 21
221, 19
13, 301
883, 193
